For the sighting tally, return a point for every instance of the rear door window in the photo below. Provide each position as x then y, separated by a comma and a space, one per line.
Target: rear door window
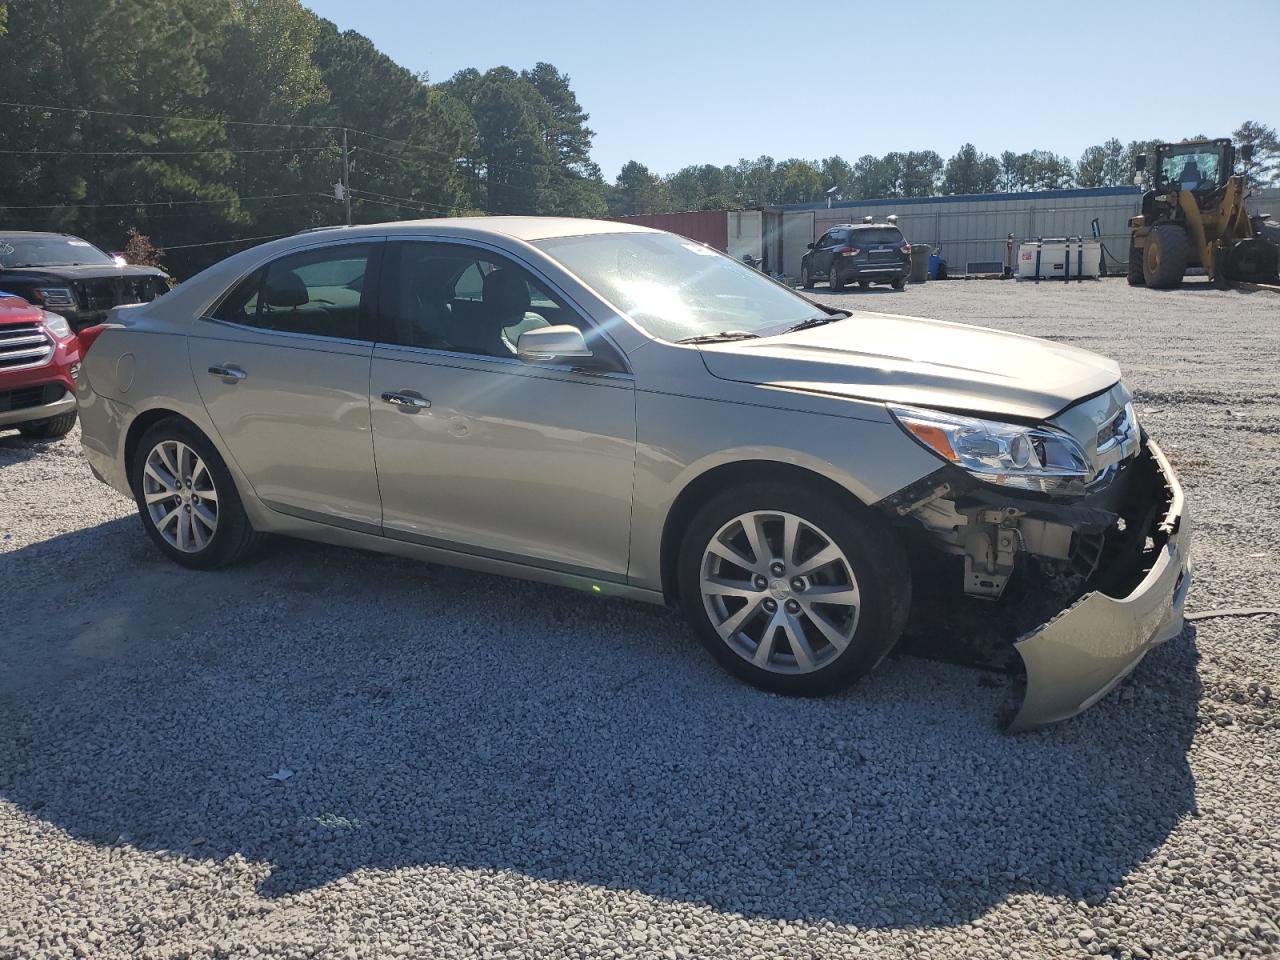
320, 292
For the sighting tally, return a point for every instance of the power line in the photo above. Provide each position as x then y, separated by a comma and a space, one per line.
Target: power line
410, 200
151, 116
216, 243
402, 206
155, 153
158, 203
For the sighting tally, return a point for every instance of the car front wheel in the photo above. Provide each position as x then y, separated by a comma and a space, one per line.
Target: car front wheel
186, 498
806, 280
792, 589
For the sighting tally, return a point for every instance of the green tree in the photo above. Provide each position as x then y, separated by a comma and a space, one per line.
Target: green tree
874, 177
1264, 169
1113, 164
1091, 170
797, 181
636, 191
970, 172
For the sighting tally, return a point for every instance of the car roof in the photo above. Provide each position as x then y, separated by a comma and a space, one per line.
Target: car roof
24, 234
513, 227
863, 226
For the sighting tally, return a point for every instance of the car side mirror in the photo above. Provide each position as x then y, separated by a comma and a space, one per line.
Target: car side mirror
809, 246
552, 343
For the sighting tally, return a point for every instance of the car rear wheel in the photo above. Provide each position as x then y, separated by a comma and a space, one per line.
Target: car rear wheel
52, 429
187, 500
899, 282
792, 590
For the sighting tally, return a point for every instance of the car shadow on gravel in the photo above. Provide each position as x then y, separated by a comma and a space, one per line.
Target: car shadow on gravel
418, 716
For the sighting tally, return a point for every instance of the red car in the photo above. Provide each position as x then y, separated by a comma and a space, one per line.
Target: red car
39, 364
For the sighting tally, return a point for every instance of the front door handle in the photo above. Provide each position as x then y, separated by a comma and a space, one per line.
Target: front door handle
228, 372
406, 401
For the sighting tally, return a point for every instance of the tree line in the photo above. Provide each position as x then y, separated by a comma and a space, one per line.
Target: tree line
195, 122
917, 173
189, 128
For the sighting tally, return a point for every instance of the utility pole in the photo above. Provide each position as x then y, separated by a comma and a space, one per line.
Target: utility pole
346, 175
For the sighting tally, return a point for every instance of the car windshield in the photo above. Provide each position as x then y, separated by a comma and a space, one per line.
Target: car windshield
50, 252
678, 289
1192, 167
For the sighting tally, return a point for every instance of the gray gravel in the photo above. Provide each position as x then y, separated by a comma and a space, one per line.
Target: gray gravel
470, 766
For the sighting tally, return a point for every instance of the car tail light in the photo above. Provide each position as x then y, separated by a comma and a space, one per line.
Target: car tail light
906, 248
88, 335
848, 251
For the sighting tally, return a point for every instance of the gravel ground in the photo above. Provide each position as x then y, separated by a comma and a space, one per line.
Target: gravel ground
469, 766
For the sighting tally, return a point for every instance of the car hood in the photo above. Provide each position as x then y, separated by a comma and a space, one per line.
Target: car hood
89, 271
928, 363
17, 310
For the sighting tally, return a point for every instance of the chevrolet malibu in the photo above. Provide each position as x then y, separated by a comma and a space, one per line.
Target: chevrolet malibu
624, 411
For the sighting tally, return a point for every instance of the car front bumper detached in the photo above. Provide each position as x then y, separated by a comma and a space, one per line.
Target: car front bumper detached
1076, 658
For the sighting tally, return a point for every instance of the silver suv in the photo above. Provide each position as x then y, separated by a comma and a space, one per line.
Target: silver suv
630, 413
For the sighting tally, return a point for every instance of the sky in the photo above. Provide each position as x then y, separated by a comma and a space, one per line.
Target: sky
674, 83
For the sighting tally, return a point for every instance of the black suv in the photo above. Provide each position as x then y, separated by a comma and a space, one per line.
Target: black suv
863, 252
73, 278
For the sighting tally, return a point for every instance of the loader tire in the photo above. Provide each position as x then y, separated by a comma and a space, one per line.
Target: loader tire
1166, 256
1136, 279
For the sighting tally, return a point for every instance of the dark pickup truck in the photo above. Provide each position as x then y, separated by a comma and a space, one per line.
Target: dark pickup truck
73, 278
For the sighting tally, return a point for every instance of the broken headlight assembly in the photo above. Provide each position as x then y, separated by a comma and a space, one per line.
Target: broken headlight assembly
1039, 459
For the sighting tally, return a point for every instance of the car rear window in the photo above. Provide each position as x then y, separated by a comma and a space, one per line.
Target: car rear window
877, 235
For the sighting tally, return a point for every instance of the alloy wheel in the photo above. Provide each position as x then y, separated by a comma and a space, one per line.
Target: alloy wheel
780, 592
180, 496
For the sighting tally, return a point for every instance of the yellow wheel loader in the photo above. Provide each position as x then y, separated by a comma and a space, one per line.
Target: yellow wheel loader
1193, 215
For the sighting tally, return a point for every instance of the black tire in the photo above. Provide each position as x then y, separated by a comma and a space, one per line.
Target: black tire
864, 284
806, 280
833, 279
52, 429
1166, 256
233, 538
942, 269
899, 283
875, 557
1135, 273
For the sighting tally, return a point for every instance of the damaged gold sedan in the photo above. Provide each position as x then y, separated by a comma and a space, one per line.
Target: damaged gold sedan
620, 410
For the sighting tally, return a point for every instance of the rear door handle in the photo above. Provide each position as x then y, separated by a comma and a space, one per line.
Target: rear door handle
406, 401
228, 373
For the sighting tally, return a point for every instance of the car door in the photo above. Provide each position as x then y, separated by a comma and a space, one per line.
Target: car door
480, 452
822, 254
282, 365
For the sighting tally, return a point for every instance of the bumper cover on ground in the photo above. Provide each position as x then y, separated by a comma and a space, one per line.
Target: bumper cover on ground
1076, 658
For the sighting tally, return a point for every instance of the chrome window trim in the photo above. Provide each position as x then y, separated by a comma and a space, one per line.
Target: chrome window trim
511, 364
286, 334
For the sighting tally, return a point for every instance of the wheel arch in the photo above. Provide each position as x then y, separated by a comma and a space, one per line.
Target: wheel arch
144, 422
707, 484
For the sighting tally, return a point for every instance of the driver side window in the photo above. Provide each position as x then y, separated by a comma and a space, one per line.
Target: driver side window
460, 299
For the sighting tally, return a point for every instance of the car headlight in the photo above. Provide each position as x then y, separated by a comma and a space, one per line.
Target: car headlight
1006, 454
57, 325
57, 298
